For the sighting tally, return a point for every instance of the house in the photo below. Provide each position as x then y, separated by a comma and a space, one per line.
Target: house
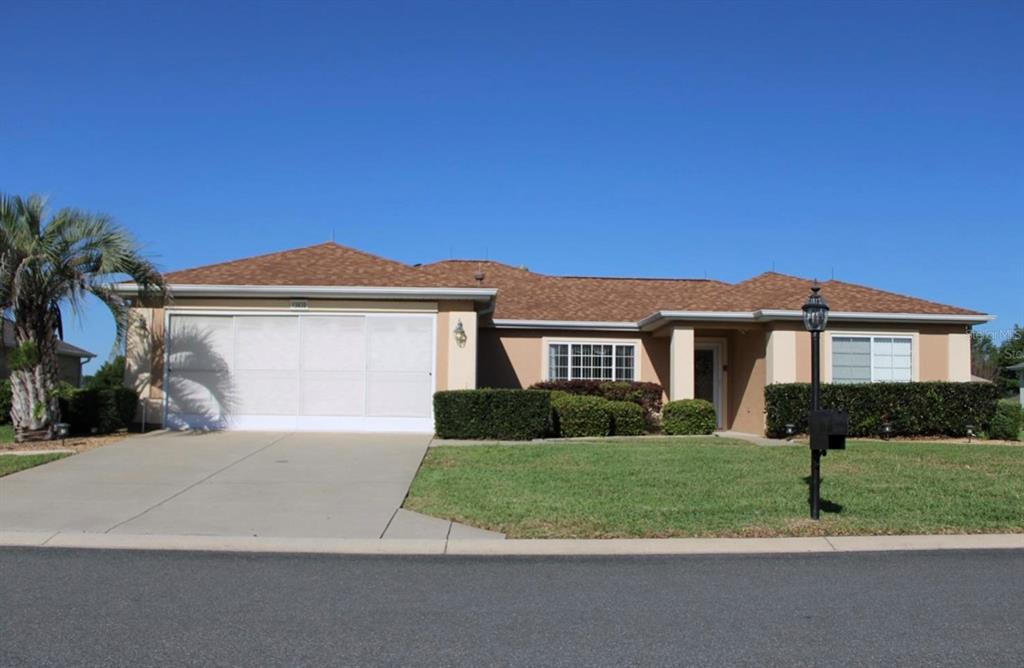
329, 337
69, 358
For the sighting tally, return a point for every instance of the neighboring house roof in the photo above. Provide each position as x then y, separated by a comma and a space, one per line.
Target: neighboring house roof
63, 348
530, 296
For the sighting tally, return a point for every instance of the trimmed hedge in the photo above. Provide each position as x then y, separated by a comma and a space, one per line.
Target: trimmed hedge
647, 395
913, 409
627, 418
5, 401
99, 411
580, 415
1006, 423
689, 417
492, 413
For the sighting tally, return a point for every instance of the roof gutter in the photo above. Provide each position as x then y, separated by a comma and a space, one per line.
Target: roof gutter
567, 324
660, 318
322, 291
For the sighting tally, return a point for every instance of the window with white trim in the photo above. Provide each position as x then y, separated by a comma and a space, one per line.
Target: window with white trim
591, 361
872, 359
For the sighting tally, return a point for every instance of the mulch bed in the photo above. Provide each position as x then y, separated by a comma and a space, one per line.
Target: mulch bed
76, 443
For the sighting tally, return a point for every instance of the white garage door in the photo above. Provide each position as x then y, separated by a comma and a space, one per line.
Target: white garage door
363, 372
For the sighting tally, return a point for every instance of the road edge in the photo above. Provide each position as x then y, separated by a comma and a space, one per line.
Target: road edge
512, 547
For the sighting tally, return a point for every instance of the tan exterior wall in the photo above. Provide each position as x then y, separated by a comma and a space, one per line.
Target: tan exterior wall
746, 377
456, 364
517, 358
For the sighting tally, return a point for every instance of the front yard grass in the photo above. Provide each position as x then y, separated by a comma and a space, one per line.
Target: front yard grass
6, 433
13, 463
720, 487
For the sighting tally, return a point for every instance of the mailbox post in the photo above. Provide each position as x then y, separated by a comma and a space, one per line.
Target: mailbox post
827, 428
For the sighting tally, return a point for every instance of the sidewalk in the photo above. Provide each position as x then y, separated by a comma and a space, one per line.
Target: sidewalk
455, 545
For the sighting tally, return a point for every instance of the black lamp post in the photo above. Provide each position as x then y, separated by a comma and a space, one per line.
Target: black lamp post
815, 319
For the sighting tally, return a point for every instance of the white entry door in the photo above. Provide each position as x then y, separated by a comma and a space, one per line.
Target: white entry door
362, 372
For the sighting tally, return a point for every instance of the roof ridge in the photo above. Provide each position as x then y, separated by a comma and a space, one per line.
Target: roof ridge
263, 256
642, 278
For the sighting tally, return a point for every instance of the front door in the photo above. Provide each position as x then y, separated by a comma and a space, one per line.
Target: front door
707, 376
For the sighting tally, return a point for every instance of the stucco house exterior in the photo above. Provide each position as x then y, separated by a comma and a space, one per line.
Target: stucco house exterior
329, 337
70, 358
1019, 368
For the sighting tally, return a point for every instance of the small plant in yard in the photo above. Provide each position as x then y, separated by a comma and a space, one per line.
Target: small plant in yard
581, 415
627, 418
1006, 424
689, 417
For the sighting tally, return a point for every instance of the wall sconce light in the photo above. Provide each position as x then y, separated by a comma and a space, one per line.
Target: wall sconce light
460, 335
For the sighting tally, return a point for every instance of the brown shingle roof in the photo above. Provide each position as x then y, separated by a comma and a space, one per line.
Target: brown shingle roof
526, 295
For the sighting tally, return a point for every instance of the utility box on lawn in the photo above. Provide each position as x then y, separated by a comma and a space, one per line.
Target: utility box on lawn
828, 429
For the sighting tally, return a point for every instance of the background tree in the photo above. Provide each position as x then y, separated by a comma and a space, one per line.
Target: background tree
1011, 352
984, 356
44, 266
108, 376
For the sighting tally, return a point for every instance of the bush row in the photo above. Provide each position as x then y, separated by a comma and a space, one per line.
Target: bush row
913, 409
98, 411
529, 414
646, 395
500, 414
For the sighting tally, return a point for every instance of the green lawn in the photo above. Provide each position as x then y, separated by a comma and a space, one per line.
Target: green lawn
6, 433
718, 487
13, 463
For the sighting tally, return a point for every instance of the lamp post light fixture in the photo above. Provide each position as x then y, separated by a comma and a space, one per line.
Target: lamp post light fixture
815, 318
970, 432
886, 430
460, 334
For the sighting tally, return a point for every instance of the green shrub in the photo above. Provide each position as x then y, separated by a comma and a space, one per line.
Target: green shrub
490, 413
1006, 422
627, 418
647, 395
913, 409
102, 411
689, 417
5, 401
581, 415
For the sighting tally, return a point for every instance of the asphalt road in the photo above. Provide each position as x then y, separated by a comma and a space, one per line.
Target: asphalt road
105, 608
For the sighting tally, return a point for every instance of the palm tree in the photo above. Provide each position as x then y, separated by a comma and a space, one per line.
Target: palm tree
44, 267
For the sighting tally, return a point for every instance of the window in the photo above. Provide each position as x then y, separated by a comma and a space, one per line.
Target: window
869, 359
591, 361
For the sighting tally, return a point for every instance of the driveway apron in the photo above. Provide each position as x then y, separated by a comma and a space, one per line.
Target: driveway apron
327, 485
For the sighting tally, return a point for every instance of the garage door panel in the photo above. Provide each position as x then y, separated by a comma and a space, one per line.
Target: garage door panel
267, 393
334, 343
400, 344
398, 394
267, 343
208, 393
333, 393
201, 343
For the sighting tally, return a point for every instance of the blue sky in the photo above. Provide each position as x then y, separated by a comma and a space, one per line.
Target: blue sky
882, 143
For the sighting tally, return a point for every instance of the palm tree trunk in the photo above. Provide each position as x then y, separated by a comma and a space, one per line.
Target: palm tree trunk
34, 404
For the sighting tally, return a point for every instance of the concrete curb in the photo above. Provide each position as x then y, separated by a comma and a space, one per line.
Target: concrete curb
517, 547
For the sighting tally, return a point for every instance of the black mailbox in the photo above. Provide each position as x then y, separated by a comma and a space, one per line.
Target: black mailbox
828, 429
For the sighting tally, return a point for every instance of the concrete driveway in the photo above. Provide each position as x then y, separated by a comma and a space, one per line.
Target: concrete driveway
314, 485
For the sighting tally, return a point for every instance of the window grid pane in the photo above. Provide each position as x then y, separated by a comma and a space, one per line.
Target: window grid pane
865, 359
623, 362
558, 361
